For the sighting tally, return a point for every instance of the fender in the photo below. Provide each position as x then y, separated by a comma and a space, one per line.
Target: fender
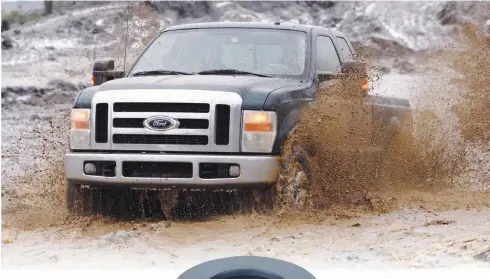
85, 96
285, 126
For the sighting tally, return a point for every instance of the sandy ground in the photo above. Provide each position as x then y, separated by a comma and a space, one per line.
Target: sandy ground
409, 238
427, 230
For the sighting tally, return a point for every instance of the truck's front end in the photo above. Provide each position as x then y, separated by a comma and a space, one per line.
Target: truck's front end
191, 112
178, 137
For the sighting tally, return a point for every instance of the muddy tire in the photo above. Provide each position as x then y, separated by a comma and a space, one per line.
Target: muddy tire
293, 177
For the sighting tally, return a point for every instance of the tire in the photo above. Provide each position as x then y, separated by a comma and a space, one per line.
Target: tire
247, 267
292, 176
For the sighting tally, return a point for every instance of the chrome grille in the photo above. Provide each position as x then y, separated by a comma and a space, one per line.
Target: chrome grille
210, 121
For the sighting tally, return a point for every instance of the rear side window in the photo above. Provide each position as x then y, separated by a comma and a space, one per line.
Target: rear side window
327, 57
344, 47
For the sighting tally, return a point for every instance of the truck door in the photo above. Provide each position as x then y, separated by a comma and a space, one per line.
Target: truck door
327, 58
351, 116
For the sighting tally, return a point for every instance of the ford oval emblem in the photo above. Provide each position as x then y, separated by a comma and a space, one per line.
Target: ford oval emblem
161, 123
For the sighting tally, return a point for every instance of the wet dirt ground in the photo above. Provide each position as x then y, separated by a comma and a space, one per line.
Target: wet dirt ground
427, 228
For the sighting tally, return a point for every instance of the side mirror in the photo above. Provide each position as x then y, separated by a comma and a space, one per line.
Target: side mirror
103, 71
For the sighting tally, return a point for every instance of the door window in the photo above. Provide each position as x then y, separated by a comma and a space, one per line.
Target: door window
327, 57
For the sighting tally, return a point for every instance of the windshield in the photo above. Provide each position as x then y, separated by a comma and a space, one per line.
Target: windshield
268, 52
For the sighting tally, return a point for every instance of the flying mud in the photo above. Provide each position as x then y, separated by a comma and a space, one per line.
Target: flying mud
339, 161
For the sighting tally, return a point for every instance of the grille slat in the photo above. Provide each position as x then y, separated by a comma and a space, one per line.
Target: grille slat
101, 123
157, 169
159, 139
222, 129
161, 107
138, 123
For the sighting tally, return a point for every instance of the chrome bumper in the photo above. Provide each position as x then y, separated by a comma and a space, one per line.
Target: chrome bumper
254, 170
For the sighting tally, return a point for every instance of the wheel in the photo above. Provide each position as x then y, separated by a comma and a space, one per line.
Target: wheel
293, 176
247, 267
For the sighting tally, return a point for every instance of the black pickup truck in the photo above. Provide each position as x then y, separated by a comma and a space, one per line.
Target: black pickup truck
205, 105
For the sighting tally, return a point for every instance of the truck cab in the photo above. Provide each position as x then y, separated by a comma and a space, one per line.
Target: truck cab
205, 105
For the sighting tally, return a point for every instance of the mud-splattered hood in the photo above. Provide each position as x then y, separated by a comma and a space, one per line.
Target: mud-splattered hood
253, 90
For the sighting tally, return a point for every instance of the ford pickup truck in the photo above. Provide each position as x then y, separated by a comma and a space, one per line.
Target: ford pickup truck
206, 105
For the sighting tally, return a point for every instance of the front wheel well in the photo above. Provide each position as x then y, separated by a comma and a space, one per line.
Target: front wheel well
285, 127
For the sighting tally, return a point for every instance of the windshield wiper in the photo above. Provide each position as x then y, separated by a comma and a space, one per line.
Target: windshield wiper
229, 72
160, 72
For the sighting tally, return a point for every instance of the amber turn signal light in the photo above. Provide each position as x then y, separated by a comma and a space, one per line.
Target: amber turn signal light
257, 121
80, 119
364, 85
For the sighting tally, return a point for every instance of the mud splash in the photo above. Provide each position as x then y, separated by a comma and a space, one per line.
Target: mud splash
37, 198
473, 64
345, 160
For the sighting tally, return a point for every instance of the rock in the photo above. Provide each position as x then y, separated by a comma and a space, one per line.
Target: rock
62, 85
353, 258
320, 4
384, 70
184, 9
97, 30
404, 67
447, 14
118, 237
7, 43
483, 256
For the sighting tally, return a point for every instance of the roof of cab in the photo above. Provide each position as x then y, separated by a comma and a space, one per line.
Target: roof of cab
270, 25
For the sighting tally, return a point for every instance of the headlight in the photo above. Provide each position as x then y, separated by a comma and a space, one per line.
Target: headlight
80, 129
80, 119
259, 129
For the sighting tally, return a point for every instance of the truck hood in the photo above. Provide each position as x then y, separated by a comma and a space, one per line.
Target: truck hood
253, 90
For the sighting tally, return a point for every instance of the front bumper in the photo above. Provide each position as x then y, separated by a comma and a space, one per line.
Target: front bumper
255, 171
